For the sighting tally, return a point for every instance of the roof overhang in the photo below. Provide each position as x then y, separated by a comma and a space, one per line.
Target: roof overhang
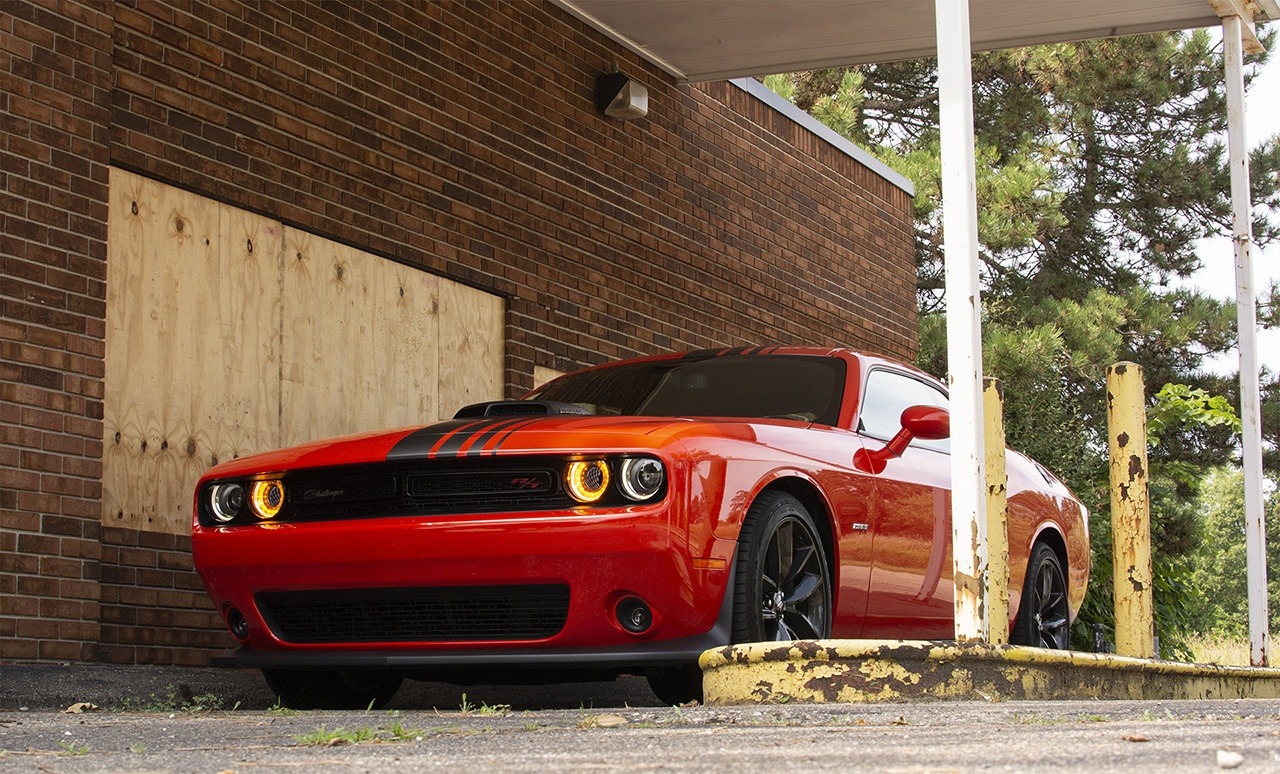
705, 40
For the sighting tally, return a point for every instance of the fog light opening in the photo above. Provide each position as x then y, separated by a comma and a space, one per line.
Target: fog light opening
237, 624
634, 615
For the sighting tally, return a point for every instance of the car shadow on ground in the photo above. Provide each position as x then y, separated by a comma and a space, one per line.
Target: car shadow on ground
58, 686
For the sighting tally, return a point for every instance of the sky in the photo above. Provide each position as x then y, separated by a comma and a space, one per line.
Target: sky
1217, 274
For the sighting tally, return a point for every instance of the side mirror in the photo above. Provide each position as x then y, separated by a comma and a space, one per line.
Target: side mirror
928, 422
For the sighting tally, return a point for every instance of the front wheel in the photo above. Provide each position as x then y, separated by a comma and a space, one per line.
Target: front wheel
1044, 616
782, 588
332, 689
676, 685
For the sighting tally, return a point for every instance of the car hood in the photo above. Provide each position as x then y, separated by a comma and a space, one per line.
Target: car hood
495, 436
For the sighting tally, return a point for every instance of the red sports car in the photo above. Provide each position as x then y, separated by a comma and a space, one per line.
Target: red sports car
621, 519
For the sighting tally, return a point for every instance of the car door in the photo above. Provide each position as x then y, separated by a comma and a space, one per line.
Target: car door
910, 515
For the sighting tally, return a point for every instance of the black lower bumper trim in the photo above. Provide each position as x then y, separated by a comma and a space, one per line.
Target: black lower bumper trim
655, 654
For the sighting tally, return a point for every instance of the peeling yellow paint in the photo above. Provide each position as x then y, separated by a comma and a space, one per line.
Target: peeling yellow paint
887, 669
997, 591
1130, 512
857, 671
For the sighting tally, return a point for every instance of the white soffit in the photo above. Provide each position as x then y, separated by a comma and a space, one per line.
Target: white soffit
705, 40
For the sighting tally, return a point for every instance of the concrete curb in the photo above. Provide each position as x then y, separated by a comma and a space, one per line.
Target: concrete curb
857, 671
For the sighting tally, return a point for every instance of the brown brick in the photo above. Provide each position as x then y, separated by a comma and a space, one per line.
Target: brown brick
59, 650
36, 629
12, 648
714, 222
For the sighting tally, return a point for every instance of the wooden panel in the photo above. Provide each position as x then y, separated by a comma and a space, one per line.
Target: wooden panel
191, 363
542, 375
360, 341
471, 347
229, 334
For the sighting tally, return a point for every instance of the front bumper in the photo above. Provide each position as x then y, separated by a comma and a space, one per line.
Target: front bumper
601, 557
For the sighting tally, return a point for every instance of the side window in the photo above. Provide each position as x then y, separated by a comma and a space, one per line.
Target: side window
886, 395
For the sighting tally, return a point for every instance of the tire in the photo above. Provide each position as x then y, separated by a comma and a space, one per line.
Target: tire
335, 690
676, 685
782, 587
1044, 617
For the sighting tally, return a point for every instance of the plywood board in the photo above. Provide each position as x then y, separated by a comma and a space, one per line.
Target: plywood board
542, 375
229, 334
191, 368
471, 346
360, 340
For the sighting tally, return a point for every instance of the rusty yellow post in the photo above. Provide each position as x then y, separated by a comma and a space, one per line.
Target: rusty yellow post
997, 514
1130, 511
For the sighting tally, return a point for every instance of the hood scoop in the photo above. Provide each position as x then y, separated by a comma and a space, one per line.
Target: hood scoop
517, 408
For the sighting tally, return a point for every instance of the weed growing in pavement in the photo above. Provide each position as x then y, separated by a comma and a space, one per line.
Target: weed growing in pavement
398, 733
138, 748
466, 707
495, 710
176, 700
280, 709
73, 748
323, 737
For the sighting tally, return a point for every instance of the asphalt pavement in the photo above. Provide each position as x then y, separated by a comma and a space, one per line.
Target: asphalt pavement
205, 720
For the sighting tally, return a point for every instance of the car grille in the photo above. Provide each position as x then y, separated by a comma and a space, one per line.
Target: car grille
424, 489
491, 613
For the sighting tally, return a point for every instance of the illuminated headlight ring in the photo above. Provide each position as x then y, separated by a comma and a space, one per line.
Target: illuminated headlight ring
266, 498
640, 478
587, 480
226, 502
238, 502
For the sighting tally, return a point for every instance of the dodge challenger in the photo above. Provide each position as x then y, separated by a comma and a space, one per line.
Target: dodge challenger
618, 520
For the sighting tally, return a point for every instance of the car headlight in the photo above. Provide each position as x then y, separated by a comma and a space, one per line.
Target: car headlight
226, 502
641, 477
266, 498
587, 480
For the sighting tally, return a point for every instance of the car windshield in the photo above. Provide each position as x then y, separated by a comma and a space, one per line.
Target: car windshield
799, 387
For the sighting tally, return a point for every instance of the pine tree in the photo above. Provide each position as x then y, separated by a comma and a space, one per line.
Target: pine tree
1100, 165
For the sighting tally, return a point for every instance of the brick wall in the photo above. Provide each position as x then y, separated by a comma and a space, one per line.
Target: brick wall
460, 138
154, 609
55, 106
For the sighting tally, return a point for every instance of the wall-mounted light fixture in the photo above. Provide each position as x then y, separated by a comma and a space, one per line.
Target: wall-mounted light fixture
618, 96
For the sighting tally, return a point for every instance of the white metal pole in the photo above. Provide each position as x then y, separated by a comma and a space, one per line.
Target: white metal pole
964, 322
1247, 331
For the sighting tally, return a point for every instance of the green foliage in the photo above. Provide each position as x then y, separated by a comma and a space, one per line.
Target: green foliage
1221, 601
1100, 166
1183, 405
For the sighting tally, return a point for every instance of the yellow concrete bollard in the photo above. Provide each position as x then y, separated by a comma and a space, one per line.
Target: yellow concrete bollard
1130, 511
997, 514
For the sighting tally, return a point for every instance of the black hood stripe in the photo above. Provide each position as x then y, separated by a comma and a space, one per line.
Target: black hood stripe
475, 441
450, 446
477, 449
432, 440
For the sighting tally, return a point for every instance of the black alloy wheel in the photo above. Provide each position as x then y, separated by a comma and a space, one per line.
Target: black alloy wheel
782, 588
1044, 618
333, 689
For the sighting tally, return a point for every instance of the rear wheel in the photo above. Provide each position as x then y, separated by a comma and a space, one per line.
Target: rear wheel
332, 689
782, 588
1044, 616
